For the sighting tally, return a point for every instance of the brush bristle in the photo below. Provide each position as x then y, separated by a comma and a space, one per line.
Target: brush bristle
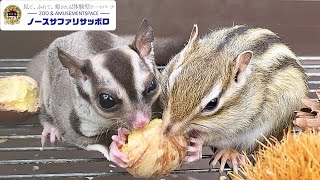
295, 157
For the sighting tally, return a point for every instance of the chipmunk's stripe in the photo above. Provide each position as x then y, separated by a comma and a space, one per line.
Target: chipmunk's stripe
281, 63
279, 56
119, 65
285, 62
264, 43
232, 34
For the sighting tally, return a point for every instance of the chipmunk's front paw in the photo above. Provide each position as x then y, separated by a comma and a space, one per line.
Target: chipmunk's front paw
119, 140
49, 129
194, 150
228, 155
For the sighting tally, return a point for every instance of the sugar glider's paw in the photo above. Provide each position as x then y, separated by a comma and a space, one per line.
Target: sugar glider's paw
228, 155
194, 150
119, 140
52, 132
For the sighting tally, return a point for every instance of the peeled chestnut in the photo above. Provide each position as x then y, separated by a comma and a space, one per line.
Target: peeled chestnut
153, 154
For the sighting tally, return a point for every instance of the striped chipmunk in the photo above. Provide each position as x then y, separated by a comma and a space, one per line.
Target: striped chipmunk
92, 82
230, 88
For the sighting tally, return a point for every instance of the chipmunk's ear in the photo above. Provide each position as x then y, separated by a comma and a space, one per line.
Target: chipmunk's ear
75, 66
242, 61
194, 36
193, 40
143, 40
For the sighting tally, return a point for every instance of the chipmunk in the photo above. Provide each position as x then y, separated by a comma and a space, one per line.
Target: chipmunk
93, 81
230, 88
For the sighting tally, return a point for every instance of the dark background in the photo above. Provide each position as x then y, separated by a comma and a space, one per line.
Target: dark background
297, 22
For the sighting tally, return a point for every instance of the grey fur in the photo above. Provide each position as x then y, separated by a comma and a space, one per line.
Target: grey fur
64, 102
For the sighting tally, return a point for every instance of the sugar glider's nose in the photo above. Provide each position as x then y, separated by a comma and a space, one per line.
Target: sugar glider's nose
140, 119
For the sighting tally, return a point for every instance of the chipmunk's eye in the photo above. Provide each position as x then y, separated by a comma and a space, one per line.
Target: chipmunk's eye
211, 105
152, 86
106, 101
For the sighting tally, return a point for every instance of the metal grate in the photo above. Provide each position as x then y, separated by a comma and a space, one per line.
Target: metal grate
22, 157
23, 147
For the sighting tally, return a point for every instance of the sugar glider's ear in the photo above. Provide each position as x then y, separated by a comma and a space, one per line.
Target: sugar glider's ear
242, 61
75, 66
143, 41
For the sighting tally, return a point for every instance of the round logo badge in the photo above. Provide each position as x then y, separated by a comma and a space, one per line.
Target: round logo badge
12, 14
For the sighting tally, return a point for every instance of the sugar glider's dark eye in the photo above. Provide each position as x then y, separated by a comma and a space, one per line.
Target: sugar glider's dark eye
106, 101
211, 105
152, 86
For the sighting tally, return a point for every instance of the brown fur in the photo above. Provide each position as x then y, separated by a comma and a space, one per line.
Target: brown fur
274, 83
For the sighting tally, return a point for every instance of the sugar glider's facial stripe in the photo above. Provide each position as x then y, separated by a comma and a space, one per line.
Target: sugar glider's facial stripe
87, 86
141, 70
232, 34
123, 72
119, 65
84, 95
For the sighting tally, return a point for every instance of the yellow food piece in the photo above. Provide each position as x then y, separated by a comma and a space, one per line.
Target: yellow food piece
152, 154
295, 157
18, 93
